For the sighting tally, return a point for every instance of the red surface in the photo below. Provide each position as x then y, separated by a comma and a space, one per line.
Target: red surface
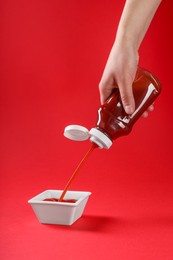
52, 57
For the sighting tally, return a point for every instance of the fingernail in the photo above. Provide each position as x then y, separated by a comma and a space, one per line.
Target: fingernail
129, 109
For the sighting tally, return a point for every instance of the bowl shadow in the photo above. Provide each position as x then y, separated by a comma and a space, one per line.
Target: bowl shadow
109, 224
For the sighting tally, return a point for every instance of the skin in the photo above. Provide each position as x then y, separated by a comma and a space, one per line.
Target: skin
121, 66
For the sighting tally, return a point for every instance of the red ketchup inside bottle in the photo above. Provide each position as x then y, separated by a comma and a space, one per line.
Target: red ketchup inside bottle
113, 121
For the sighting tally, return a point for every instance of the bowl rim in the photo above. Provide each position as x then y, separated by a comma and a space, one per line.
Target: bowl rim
36, 200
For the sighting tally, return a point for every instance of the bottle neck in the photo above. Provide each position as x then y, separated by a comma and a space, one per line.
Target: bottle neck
100, 138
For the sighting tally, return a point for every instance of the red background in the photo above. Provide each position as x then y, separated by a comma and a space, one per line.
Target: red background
52, 57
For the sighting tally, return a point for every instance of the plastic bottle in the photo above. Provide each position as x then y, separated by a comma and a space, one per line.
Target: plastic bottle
113, 122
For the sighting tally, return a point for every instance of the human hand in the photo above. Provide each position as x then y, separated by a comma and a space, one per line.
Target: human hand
120, 72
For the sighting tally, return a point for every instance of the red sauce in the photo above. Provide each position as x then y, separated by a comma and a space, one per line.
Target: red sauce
85, 158
57, 200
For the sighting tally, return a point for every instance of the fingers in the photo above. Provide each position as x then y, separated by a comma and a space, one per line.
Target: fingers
150, 108
118, 79
127, 98
145, 114
106, 87
126, 94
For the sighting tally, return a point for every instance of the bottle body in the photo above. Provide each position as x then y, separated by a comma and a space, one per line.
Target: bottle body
113, 122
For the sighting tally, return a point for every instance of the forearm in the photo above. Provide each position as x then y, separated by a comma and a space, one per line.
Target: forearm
135, 20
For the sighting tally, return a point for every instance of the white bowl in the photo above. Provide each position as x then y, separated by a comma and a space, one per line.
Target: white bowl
61, 213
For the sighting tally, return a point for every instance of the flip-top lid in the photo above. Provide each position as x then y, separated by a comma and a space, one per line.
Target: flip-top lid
76, 132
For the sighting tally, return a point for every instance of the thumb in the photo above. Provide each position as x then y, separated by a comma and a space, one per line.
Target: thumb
105, 89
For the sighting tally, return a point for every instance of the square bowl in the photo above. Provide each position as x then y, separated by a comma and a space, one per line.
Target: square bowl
60, 213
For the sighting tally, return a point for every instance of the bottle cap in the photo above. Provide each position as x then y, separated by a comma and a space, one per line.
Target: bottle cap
98, 137
81, 133
76, 132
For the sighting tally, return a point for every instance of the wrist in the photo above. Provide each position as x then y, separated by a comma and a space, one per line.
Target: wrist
127, 39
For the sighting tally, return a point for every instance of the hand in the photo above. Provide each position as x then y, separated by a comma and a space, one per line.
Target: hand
120, 72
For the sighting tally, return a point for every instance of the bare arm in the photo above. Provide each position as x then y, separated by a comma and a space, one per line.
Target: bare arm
121, 66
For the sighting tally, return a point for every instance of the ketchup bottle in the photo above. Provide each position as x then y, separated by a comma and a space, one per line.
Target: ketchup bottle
113, 121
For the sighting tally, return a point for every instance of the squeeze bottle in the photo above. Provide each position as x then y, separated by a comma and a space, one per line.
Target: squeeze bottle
113, 121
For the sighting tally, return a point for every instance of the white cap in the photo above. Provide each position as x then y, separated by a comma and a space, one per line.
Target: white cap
100, 138
81, 133
76, 132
